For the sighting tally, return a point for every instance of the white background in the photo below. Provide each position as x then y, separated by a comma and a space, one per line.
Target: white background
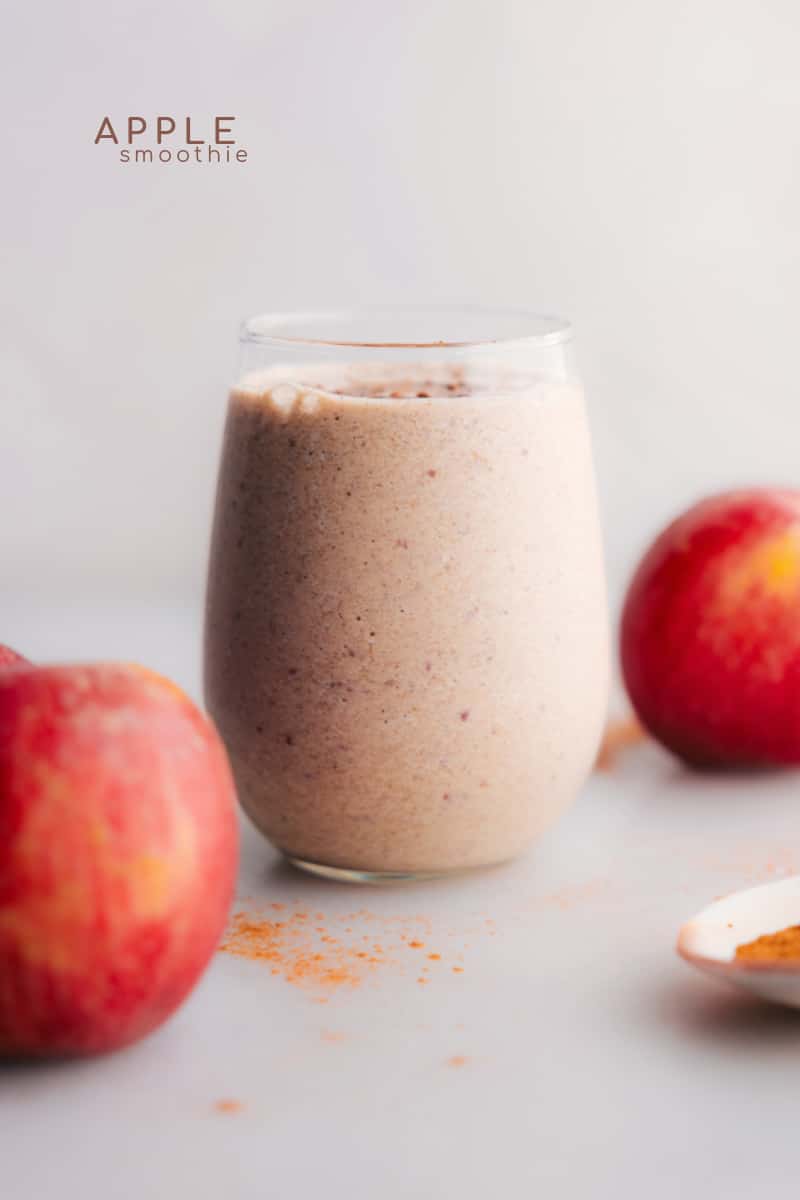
632, 166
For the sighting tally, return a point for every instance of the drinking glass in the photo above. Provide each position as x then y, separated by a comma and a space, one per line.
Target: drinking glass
406, 646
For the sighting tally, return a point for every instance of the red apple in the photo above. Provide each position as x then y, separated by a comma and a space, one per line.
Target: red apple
710, 637
9, 657
118, 852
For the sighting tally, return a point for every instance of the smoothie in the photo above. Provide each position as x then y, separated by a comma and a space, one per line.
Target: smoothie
406, 644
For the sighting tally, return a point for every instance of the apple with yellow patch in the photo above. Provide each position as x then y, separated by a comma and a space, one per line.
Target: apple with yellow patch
9, 657
118, 853
710, 636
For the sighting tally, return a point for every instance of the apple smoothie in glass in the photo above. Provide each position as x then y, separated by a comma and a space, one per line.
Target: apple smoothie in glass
406, 646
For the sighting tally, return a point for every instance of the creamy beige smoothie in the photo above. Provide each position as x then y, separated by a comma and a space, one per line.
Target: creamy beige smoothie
406, 645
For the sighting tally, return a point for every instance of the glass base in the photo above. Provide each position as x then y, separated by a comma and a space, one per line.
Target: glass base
346, 875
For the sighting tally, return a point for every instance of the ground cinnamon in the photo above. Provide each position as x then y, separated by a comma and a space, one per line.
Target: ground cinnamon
620, 735
290, 947
783, 946
326, 955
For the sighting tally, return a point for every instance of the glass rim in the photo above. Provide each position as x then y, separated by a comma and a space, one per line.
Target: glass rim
282, 328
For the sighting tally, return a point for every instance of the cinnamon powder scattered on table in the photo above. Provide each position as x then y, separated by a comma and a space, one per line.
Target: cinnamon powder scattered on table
327, 956
291, 949
620, 735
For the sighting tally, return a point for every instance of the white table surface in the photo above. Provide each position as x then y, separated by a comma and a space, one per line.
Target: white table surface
596, 1063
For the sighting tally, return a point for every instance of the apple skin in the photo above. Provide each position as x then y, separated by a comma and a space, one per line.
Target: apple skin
118, 855
710, 632
9, 657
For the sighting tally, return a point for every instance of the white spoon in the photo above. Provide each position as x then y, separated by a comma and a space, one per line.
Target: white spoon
710, 939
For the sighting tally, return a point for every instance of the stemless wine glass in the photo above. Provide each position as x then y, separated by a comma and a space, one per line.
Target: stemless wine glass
406, 646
